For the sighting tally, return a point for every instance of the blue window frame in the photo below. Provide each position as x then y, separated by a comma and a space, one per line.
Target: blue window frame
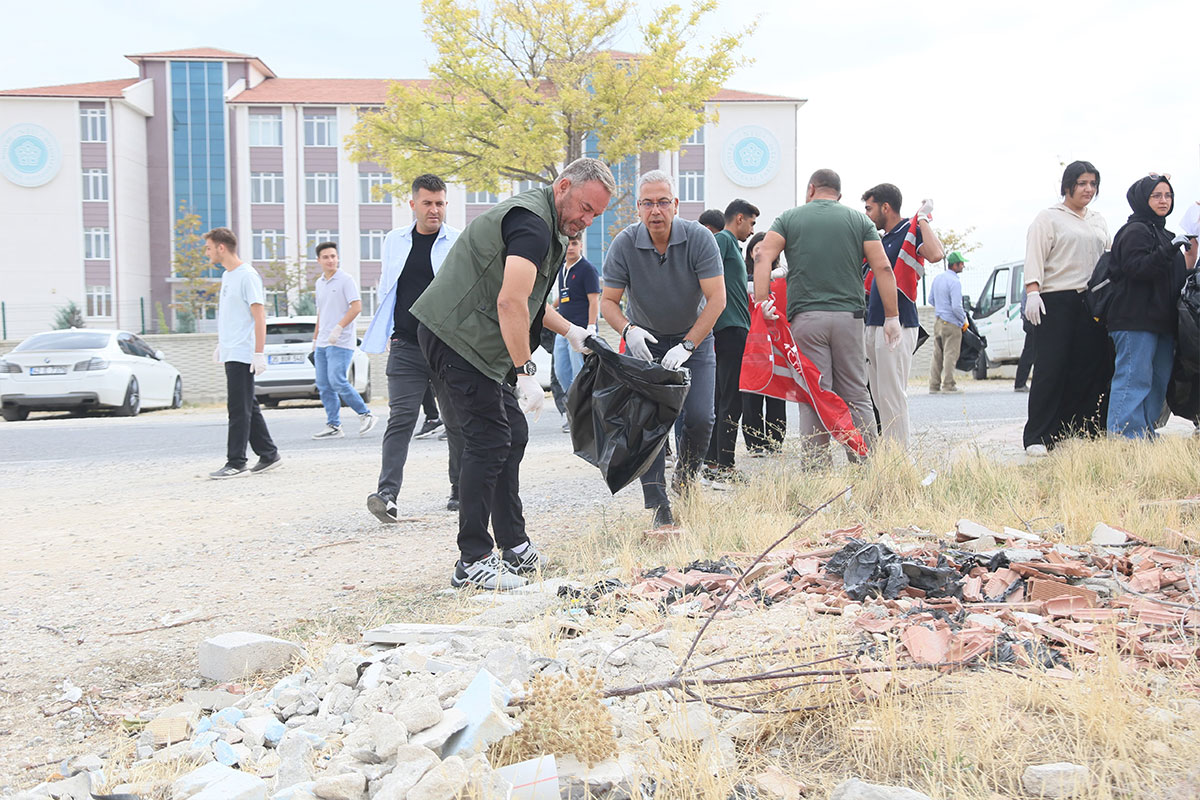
198, 141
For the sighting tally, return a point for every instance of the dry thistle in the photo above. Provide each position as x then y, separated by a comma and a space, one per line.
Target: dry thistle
563, 714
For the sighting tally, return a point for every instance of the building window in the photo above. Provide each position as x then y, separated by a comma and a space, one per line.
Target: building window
525, 186
483, 198
320, 130
691, 187
93, 125
266, 130
95, 243
266, 187
99, 301
267, 245
370, 300
95, 184
370, 245
276, 302
697, 136
368, 182
320, 187
317, 237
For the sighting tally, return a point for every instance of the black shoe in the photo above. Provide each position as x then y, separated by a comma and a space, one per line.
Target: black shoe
663, 518
383, 506
228, 472
265, 464
452, 504
430, 429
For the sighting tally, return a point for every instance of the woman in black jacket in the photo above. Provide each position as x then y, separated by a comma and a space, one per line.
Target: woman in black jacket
1149, 271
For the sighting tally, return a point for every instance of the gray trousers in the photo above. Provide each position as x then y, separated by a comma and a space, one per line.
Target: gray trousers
408, 377
834, 342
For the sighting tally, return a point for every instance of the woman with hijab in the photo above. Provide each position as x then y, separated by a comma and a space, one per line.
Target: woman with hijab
762, 436
1148, 272
1072, 362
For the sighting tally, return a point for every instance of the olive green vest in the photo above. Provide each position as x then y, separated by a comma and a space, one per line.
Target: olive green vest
459, 307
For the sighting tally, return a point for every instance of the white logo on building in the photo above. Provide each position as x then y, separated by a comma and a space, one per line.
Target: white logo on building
29, 155
750, 156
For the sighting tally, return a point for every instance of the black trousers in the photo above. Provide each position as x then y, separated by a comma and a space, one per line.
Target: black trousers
494, 437
763, 435
246, 423
1028, 351
730, 344
1074, 364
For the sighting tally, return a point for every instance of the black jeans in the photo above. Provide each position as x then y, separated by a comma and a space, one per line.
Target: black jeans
494, 437
409, 379
1028, 353
730, 344
763, 435
246, 423
1074, 365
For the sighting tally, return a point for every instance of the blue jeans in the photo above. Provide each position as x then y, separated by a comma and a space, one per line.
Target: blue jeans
1139, 384
332, 365
567, 362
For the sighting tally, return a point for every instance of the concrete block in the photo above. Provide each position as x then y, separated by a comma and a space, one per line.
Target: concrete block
444, 782
260, 731
482, 703
217, 776
347, 786
435, 738
421, 714
233, 655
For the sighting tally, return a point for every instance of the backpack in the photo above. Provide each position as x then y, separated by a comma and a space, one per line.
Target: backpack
1101, 287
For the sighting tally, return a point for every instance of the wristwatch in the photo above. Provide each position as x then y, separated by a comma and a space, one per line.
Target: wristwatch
528, 368
688, 345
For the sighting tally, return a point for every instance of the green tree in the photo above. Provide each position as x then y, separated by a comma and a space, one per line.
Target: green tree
955, 240
68, 316
196, 285
290, 279
518, 86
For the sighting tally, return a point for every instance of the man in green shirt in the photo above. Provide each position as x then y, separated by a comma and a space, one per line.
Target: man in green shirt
729, 334
825, 244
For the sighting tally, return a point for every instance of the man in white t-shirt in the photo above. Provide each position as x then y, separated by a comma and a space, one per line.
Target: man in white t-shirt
241, 335
338, 305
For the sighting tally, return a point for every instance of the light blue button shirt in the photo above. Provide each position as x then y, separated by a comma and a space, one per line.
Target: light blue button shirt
947, 298
396, 247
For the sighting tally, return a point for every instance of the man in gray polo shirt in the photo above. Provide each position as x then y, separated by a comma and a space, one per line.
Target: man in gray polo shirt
672, 270
338, 305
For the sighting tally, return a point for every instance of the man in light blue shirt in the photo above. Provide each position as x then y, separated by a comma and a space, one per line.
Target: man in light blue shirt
948, 327
412, 255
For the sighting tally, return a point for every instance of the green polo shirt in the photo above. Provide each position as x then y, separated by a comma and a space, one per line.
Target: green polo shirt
737, 299
824, 252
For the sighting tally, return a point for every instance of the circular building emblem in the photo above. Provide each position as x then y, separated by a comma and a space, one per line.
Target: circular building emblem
751, 156
29, 155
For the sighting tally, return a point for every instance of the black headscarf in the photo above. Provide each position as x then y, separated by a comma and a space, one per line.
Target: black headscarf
1139, 200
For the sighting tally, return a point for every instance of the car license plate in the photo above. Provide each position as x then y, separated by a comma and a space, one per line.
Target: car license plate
47, 370
286, 358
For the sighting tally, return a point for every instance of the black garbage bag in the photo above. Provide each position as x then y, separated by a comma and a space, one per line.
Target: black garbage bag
1188, 338
968, 353
621, 410
939, 581
868, 570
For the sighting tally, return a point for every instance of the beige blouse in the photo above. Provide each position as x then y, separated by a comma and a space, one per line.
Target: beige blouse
1062, 248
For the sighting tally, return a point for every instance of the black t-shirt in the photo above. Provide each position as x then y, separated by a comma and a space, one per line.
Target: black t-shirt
525, 234
414, 279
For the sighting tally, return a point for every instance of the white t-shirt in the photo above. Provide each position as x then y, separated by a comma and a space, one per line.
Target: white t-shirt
240, 288
334, 297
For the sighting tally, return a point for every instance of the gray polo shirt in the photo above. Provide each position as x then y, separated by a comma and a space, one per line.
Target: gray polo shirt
664, 298
334, 297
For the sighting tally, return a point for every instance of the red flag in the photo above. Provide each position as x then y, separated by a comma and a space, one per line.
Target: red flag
773, 365
909, 267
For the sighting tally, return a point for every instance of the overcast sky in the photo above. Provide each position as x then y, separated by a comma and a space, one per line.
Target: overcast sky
976, 105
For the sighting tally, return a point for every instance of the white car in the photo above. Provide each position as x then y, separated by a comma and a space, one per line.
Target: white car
78, 369
290, 375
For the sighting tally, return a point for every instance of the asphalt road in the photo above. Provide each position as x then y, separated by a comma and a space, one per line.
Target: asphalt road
192, 433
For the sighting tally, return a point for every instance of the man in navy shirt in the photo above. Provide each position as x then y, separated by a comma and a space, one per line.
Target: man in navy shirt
578, 300
888, 369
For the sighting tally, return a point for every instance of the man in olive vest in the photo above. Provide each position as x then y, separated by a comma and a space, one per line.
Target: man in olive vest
477, 323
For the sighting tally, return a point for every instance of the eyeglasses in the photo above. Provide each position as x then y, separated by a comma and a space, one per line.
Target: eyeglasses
662, 205
1157, 175
1162, 196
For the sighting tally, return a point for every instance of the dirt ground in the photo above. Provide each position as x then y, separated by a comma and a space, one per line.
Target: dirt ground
93, 554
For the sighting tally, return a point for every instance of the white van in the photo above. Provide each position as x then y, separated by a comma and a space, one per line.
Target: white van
997, 315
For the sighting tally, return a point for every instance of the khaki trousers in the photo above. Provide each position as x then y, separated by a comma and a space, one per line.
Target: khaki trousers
947, 339
887, 372
834, 342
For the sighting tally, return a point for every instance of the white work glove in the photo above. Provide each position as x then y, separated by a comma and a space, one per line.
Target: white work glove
258, 364
1181, 239
767, 307
675, 357
1034, 308
892, 331
635, 343
575, 336
217, 354
530, 396
335, 333
779, 272
925, 212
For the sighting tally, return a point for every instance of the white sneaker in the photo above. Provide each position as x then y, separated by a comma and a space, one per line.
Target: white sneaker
489, 573
1036, 451
328, 432
366, 422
